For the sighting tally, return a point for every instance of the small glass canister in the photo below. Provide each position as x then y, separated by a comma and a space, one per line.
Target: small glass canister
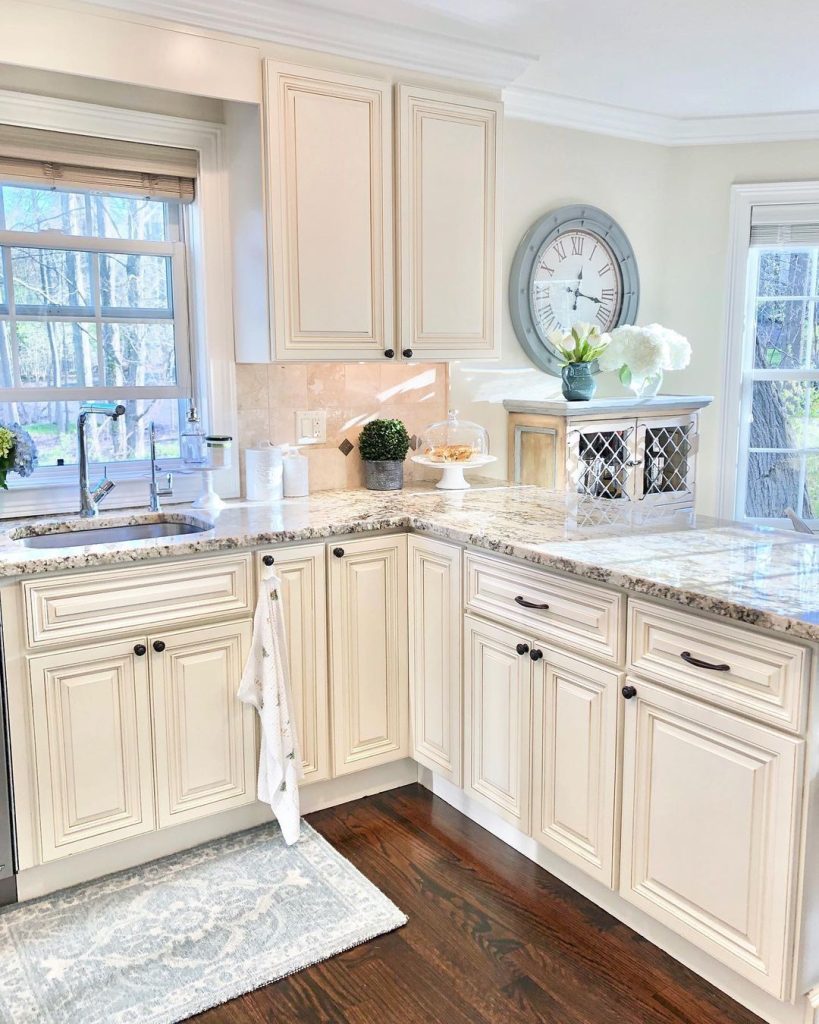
218, 451
192, 442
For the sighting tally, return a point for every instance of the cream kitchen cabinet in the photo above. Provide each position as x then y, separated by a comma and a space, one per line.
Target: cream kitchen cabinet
435, 623
368, 651
449, 224
303, 593
574, 766
709, 844
91, 715
205, 751
497, 719
330, 207
338, 248
138, 734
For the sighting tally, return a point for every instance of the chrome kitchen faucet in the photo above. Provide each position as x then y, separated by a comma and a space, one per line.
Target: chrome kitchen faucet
90, 499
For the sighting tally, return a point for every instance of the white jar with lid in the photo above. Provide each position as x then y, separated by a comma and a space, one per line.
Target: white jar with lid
218, 451
295, 467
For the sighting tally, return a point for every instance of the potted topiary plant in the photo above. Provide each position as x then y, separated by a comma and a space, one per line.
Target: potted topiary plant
383, 445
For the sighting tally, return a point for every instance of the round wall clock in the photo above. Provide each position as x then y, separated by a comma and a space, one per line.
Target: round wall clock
574, 264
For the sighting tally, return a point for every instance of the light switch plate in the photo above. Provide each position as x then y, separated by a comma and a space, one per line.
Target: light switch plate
311, 427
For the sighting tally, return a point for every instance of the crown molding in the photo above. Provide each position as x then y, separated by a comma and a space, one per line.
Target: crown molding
661, 130
313, 26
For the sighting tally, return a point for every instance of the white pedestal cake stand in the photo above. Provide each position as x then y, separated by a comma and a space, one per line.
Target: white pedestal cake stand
452, 473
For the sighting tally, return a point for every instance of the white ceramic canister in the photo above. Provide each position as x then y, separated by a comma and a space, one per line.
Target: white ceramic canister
264, 474
295, 473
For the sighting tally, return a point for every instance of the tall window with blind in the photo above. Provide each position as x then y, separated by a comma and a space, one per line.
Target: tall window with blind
778, 464
93, 292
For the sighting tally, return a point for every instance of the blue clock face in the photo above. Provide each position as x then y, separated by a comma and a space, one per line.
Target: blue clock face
575, 277
573, 265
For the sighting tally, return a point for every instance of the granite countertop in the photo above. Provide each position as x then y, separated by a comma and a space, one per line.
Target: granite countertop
768, 578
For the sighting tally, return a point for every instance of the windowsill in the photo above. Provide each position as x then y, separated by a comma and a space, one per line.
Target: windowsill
56, 491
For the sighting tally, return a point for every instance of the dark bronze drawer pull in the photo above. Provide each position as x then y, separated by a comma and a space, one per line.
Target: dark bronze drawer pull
689, 657
522, 649
629, 691
531, 604
268, 560
535, 654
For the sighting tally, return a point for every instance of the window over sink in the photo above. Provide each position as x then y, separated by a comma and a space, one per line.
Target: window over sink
93, 305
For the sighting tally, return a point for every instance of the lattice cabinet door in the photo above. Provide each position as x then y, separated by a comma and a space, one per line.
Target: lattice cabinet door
602, 460
666, 450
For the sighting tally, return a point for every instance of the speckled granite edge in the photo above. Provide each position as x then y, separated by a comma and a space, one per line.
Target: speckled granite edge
522, 523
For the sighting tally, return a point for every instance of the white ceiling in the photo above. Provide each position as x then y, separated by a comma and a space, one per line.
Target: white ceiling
666, 59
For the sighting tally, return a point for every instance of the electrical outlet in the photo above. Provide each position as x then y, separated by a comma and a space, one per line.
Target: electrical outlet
311, 427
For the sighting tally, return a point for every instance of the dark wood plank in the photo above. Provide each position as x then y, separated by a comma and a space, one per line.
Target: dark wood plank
492, 939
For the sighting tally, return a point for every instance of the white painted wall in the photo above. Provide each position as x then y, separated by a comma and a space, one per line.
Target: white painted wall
544, 168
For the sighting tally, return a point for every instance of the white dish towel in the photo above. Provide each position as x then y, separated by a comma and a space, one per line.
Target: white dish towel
266, 685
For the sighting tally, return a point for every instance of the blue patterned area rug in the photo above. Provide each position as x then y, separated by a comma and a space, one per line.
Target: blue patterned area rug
164, 941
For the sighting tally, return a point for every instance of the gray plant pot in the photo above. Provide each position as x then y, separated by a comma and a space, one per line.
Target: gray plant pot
579, 384
384, 475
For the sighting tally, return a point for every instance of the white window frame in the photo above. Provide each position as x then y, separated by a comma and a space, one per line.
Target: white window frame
209, 299
737, 370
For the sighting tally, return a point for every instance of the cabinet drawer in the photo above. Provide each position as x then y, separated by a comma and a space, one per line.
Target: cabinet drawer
764, 677
84, 605
574, 615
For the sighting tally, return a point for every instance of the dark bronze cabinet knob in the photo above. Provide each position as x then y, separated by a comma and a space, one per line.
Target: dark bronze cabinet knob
389, 353
268, 559
338, 552
629, 692
522, 648
407, 353
159, 646
140, 650
536, 655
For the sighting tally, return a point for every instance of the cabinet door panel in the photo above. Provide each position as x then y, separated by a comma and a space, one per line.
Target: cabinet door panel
497, 713
575, 762
448, 180
330, 185
368, 653
92, 734
205, 739
304, 597
710, 823
435, 618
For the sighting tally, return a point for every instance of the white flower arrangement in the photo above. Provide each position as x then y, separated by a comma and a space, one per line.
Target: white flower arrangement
582, 344
638, 353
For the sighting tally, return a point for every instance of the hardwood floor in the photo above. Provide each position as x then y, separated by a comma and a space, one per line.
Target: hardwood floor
491, 938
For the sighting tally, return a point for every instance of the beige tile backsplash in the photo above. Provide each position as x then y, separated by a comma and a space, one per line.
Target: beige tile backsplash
351, 394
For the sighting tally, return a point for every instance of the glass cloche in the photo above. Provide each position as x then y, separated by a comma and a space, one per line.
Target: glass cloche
454, 441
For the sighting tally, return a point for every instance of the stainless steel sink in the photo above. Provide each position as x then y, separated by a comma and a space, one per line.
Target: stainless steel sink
66, 537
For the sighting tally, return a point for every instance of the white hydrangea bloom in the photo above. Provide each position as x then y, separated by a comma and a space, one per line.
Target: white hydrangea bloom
644, 351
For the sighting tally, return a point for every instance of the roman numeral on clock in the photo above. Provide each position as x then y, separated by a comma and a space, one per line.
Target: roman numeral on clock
605, 269
545, 266
603, 313
560, 249
607, 295
578, 241
547, 316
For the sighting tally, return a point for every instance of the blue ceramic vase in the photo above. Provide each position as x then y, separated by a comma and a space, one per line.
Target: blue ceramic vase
579, 384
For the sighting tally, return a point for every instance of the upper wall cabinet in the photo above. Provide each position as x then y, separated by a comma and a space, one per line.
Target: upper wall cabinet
448, 228
338, 249
329, 174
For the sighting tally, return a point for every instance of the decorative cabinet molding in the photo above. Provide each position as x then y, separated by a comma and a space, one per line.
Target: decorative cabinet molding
79, 606
497, 720
449, 223
368, 652
435, 623
91, 719
711, 813
575, 763
329, 178
304, 598
205, 750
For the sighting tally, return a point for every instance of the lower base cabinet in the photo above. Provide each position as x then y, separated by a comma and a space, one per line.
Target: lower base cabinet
574, 765
91, 714
497, 715
139, 734
205, 751
710, 830
368, 652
